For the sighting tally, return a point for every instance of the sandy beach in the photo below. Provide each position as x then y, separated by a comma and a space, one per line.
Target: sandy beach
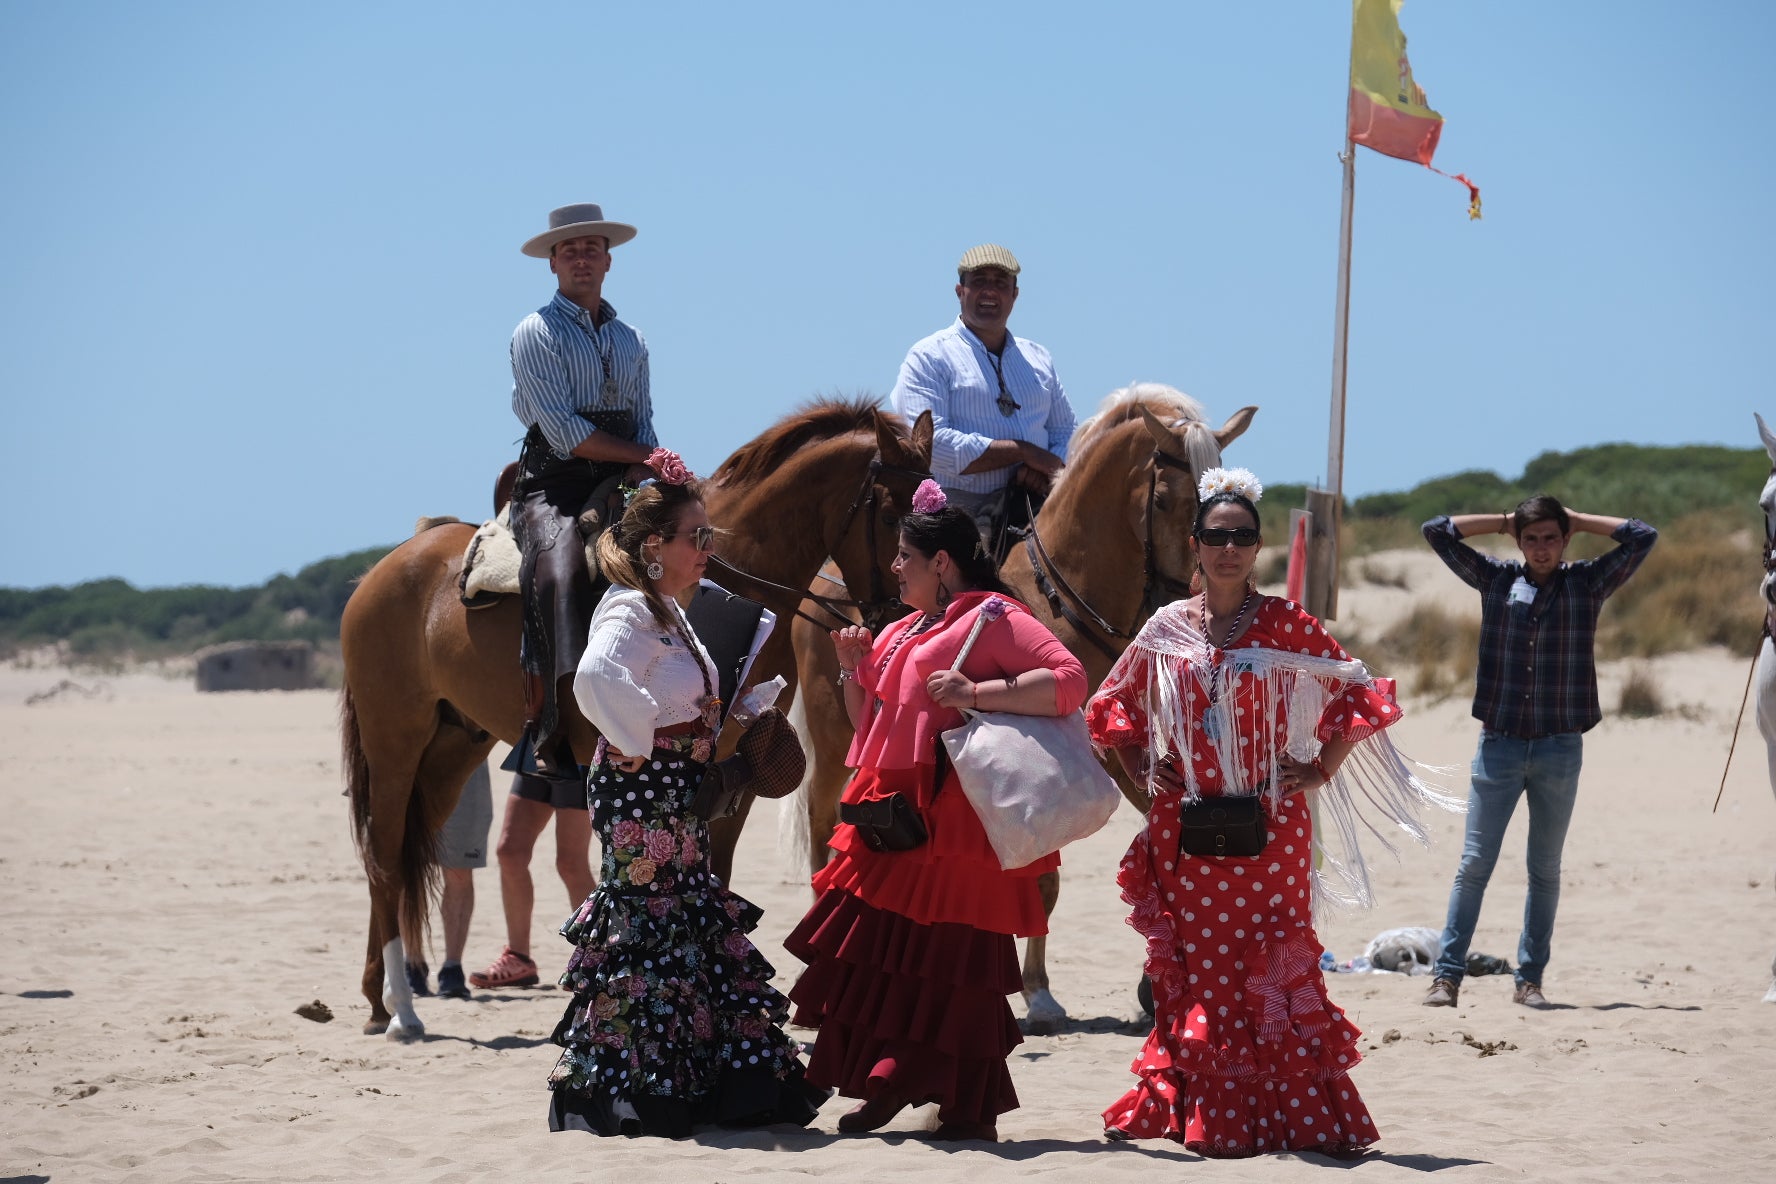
177, 877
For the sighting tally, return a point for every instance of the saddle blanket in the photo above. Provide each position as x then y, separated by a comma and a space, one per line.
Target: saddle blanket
490, 563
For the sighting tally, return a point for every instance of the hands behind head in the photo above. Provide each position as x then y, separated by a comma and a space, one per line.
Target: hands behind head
852, 643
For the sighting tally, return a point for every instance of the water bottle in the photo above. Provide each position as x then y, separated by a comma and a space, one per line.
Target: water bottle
757, 700
1328, 963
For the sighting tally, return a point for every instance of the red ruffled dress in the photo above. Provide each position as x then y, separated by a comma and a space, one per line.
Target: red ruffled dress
910, 953
1247, 1054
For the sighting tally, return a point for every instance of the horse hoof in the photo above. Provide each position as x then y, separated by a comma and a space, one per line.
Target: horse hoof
405, 1032
375, 1027
1043, 1013
1770, 995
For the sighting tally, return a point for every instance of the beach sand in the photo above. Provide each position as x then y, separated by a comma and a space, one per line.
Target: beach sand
177, 877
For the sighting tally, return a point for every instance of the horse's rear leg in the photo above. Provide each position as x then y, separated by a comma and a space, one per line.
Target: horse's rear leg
1043, 1013
387, 761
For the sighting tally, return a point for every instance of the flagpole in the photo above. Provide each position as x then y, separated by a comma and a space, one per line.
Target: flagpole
1340, 362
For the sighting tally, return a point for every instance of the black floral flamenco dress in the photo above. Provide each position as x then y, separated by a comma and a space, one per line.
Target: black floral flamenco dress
674, 1022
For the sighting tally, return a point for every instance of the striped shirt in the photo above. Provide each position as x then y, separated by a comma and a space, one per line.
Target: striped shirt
952, 375
1538, 674
559, 356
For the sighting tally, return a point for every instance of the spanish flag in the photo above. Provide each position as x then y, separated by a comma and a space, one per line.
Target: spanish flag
1388, 110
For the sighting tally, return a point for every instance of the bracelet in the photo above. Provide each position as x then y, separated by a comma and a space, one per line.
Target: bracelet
847, 674
974, 696
1504, 524
1321, 770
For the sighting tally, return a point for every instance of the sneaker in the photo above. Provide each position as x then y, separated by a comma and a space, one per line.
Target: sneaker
1443, 993
510, 969
450, 983
416, 978
1530, 995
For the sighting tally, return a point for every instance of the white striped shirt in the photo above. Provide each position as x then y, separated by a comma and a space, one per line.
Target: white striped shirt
951, 374
559, 353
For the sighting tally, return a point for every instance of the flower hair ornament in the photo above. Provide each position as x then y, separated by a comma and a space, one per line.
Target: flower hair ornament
669, 465
1239, 482
629, 491
929, 498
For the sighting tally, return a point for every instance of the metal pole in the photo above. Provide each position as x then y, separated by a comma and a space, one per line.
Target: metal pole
1340, 355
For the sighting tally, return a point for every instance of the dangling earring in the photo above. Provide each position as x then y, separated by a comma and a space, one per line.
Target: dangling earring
943, 595
654, 570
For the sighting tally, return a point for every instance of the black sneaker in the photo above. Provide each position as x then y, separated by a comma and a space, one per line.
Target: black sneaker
416, 978
451, 984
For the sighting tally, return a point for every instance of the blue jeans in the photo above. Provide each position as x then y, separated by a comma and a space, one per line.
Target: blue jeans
1505, 769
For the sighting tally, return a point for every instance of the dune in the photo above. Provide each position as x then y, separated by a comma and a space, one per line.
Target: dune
177, 878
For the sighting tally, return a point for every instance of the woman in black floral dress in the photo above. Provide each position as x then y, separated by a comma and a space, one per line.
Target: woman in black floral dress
674, 1022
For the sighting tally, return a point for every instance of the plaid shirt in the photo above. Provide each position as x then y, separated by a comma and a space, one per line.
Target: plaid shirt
1538, 674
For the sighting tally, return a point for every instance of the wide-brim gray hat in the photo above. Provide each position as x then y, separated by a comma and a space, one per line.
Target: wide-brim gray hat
577, 221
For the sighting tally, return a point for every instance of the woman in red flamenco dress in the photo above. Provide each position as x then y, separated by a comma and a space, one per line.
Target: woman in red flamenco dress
1230, 694
910, 952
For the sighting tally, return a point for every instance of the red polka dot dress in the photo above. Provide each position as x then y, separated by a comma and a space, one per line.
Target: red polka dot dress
1247, 1054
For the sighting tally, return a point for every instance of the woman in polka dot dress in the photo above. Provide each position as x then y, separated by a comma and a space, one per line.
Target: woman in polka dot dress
674, 1022
1230, 693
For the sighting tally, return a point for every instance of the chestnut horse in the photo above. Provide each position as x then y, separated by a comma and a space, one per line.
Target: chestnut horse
430, 686
1109, 546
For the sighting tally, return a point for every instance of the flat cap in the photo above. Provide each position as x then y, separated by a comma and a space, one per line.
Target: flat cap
987, 255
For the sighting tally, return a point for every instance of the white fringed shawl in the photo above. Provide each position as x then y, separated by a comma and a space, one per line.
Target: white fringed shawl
1375, 788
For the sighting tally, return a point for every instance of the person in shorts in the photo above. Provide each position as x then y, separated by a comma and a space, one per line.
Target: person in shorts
462, 848
533, 802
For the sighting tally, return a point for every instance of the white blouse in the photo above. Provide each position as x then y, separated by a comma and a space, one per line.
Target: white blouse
635, 677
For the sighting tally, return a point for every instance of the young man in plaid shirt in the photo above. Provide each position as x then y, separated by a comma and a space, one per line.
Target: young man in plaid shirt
1536, 695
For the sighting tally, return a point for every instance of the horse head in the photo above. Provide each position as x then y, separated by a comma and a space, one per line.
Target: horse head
1184, 447
870, 535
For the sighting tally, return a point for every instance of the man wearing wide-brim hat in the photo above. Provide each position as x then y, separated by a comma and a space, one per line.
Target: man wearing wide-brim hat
580, 387
1002, 418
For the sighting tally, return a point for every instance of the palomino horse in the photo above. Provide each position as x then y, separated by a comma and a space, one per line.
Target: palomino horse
430, 686
1766, 663
1110, 545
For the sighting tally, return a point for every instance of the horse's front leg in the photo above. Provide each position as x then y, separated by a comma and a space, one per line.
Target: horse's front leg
1043, 1013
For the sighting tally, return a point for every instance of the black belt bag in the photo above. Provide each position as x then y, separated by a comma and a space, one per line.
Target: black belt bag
1222, 827
888, 824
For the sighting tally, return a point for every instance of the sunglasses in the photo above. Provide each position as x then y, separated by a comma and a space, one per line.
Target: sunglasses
1212, 536
702, 537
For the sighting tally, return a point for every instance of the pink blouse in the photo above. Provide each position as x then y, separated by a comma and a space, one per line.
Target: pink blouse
904, 722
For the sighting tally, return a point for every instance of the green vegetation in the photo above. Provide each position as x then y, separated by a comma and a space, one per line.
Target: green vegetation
103, 620
1699, 587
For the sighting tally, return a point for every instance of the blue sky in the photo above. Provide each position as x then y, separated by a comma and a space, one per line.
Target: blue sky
261, 266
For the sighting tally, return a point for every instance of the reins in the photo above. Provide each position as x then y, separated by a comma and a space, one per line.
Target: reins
1158, 589
868, 500
1739, 720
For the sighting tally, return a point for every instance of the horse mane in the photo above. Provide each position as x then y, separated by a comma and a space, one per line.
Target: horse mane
821, 419
1169, 405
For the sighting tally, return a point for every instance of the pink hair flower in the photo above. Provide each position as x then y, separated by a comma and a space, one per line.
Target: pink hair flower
929, 497
670, 465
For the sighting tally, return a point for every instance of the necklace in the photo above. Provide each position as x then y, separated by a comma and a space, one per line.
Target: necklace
608, 390
1211, 721
925, 621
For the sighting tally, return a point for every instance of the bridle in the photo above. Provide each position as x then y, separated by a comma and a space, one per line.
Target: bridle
1158, 589
879, 605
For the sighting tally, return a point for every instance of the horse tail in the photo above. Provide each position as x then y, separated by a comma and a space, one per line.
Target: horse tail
356, 768
417, 874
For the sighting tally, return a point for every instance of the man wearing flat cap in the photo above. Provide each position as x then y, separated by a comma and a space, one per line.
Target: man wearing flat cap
1002, 419
580, 387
